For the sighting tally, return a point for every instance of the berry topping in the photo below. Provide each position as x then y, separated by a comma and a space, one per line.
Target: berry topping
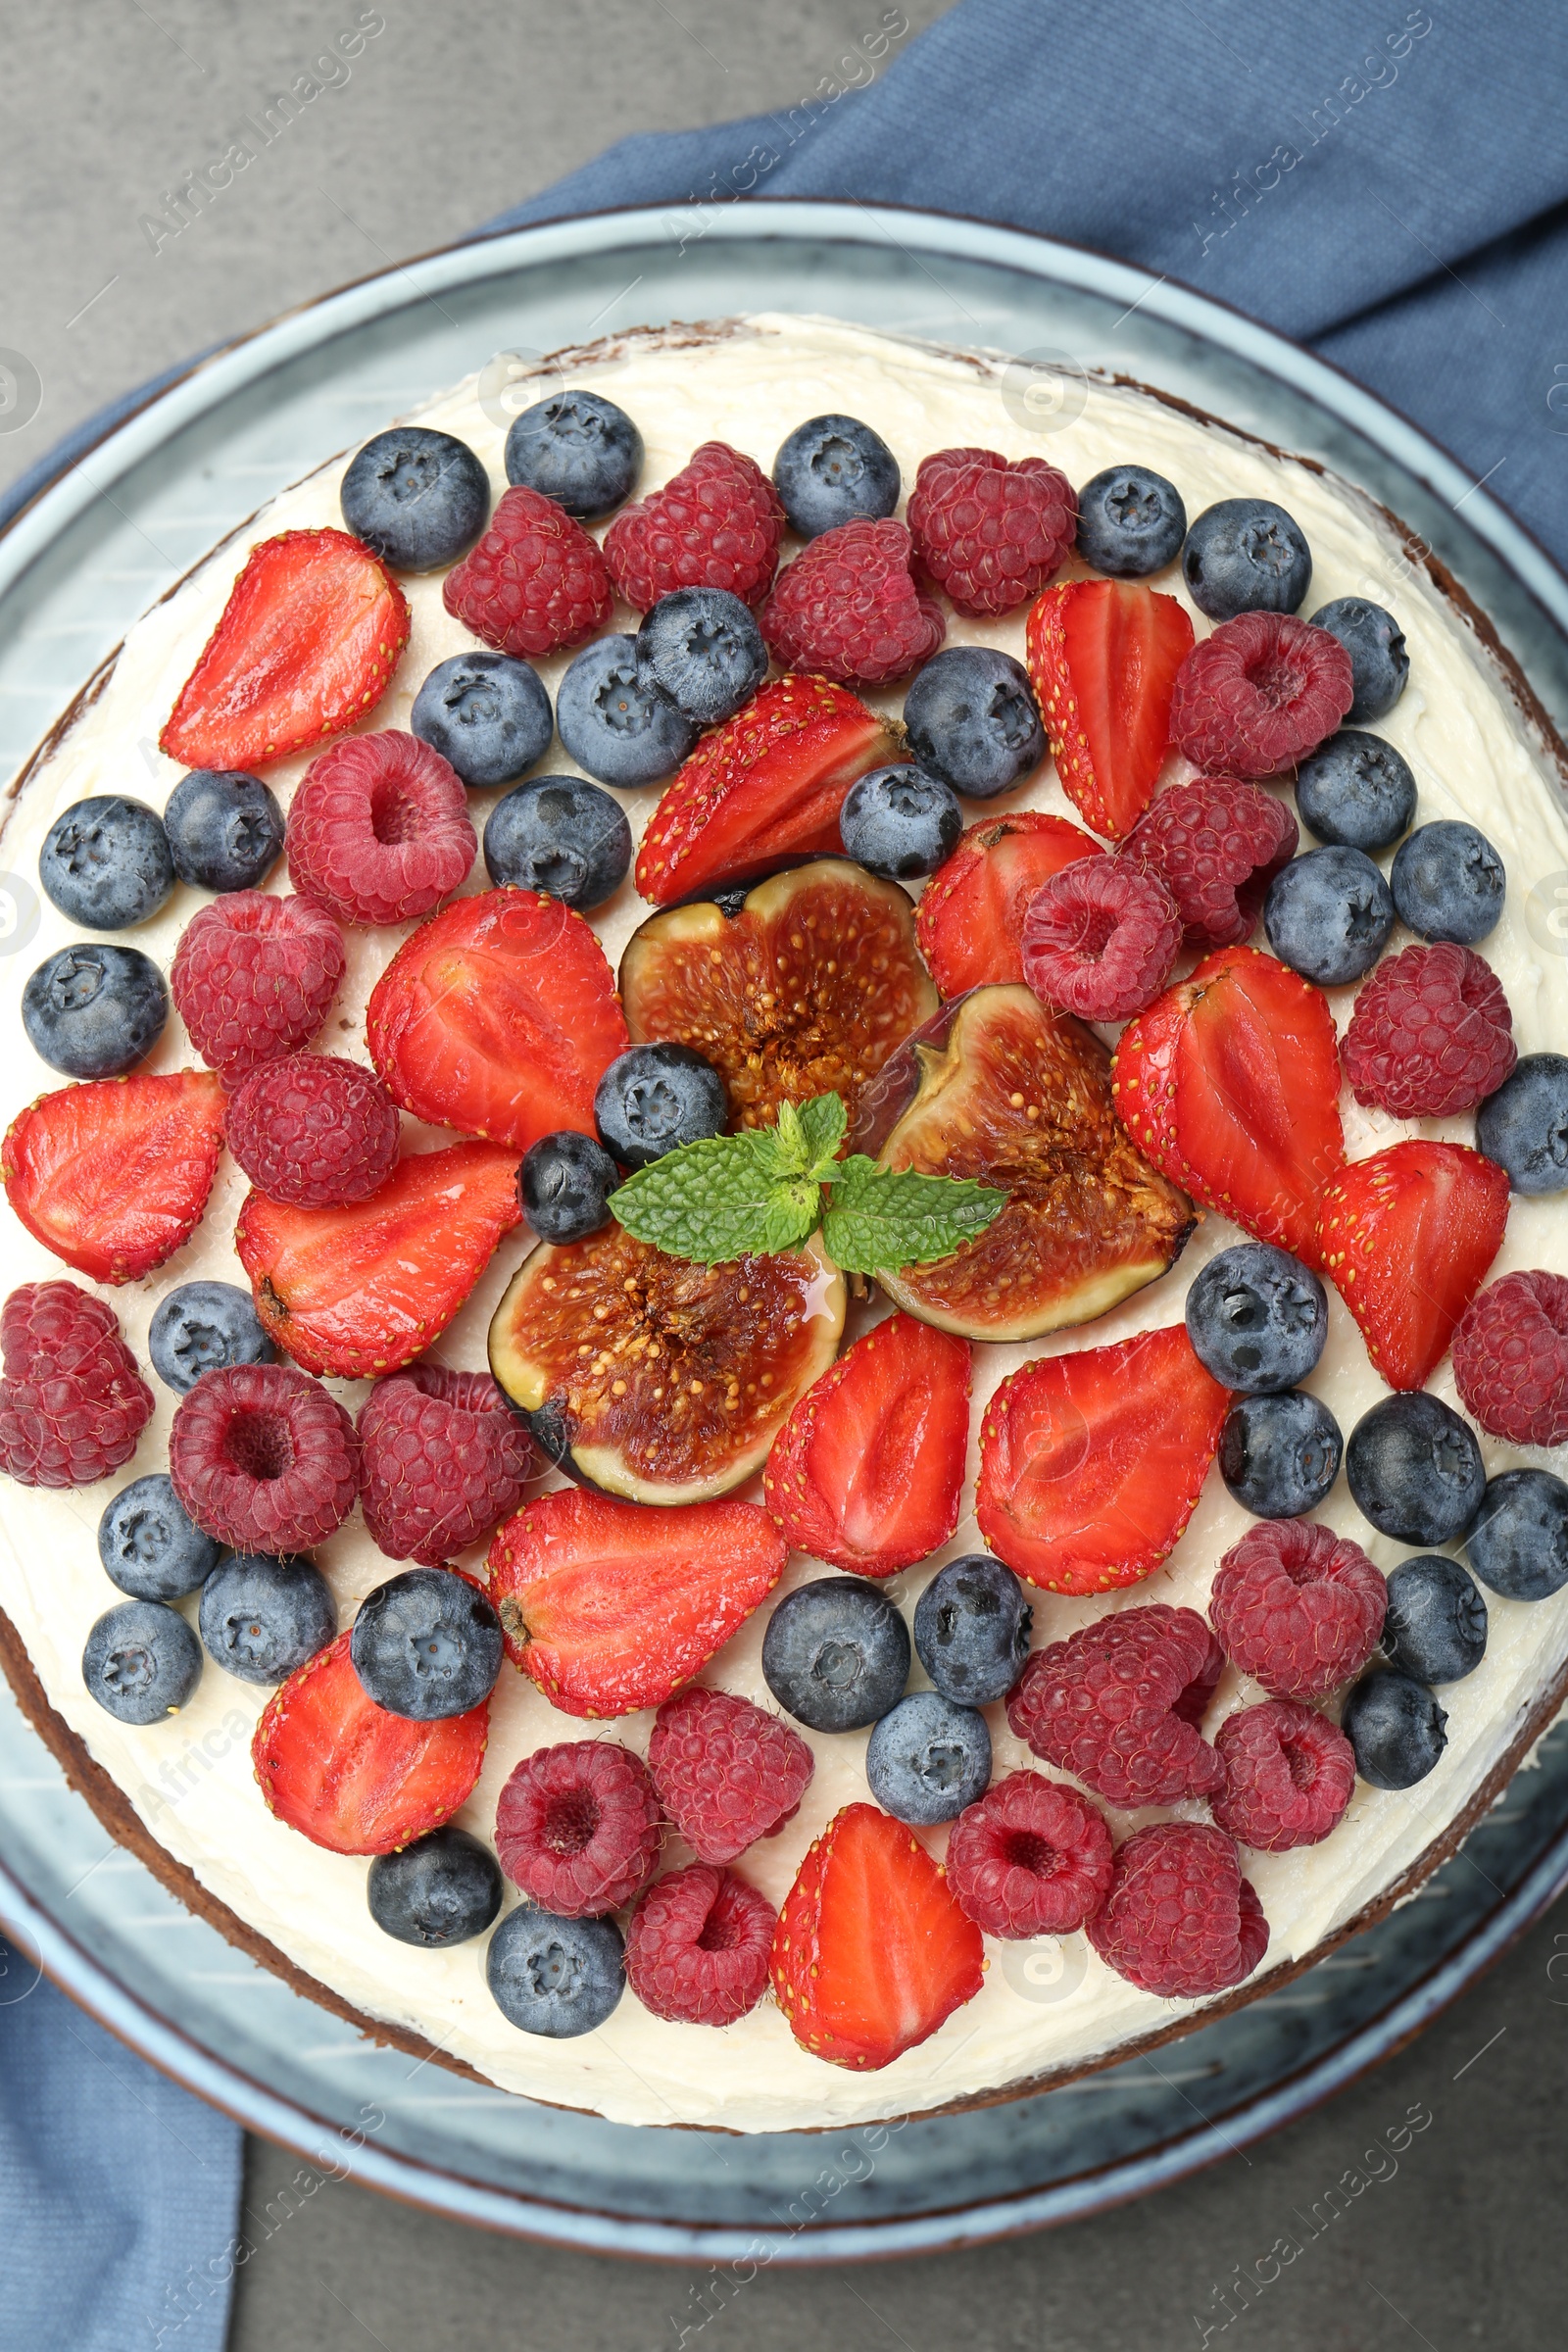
1258, 1318
970, 918
443, 1460
927, 1758
1436, 1627
577, 448
653, 1098
565, 1184
1031, 1858
417, 499
1408, 1236
1288, 1774
727, 1773
1297, 1607
1119, 1702
378, 831
848, 608
1100, 939
1358, 790
1180, 1920
561, 837
1103, 658
1258, 693
836, 1654
717, 523
488, 715
262, 1458
113, 1175
900, 822
426, 1644
441, 1890
990, 533
1431, 1032
93, 1011
613, 720
224, 831
555, 1977
1280, 1455
1218, 843
313, 1131
106, 863
72, 1401
972, 719
1245, 555
1130, 522
1519, 1543
141, 1662
834, 469
149, 1546
260, 1617
703, 650
1524, 1126
1448, 882
578, 1826
252, 977
1379, 663
535, 584
1415, 1469
1395, 1728
971, 1629
1328, 915
204, 1327
698, 1947
1510, 1359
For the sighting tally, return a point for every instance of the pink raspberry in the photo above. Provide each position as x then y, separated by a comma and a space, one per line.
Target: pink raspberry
378, 830
253, 976
1297, 1607
698, 1947
535, 584
262, 1458
1510, 1359
717, 523
1260, 694
1431, 1032
313, 1131
1180, 1920
990, 533
1218, 843
1288, 1774
1100, 937
579, 1827
443, 1460
73, 1404
727, 1773
1119, 1703
848, 608
1031, 1858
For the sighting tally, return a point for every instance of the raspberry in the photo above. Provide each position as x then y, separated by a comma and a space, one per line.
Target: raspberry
535, 584
848, 608
378, 830
73, 1404
443, 1460
579, 1827
1297, 1607
990, 533
262, 1458
1218, 841
253, 976
1289, 1773
726, 1772
1431, 1033
1031, 1858
698, 1947
1260, 694
717, 523
1510, 1359
1180, 1920
313, 1131
1118, 1705
1100, 937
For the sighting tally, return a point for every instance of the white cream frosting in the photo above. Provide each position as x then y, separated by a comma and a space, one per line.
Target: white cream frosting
1474, 755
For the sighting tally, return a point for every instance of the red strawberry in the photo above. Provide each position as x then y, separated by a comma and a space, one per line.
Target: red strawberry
1091, 1464
871, 1953
112, 1176
1406, 1236
1143, 1080
349, 1775
498, 1017
610, 1607
971, 911
865, 1473
364, 1290
307, 644
1104, 655
761, 790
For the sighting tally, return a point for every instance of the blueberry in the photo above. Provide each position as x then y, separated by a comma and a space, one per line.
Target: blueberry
1375, 643
614, 725
653, 1098
565, 1184
578, 449
105, 863
1130, 522
1245, 555
926, 1758
260, 1617
93, 1011
554, 1976
1258, 1318
426, 1644
973, 720
1280, 1455
417, 499
1524, 1125
900, 822
224, 828
1396, 1727
141, 1662
1415, 1469
1519, 1543
1436, 1627
1448, 882
836, 1653
205, 1327
148, 1546
1328, 915
1356, 790
441, 1889
561, 835
971, 1629
702, 649
835, 469
487, 714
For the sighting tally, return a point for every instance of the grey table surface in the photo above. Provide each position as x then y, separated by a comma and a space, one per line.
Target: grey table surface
1442, 2231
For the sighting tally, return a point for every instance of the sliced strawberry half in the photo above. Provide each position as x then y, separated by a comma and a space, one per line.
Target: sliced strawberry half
871, 1953
307, 644
1091, 1464
972, 908
349, 1775
1143, 1081
1102, 656
113, 1175
610, 1607
764, 788
1406, 1238
362, 1291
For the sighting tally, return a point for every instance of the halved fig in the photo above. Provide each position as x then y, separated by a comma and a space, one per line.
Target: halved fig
805, 990
1019, 1096
657, 1380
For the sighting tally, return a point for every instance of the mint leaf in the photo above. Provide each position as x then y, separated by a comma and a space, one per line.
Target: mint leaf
821, 1123
791, 1149
715, 1200
882, 1218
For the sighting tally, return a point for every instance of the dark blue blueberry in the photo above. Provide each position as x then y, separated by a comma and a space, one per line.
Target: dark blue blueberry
836, 1654
262, 1617
1245, 555
148, 1546
1415, 1469
1130, 522
1356, 790
224, 828
1448, 882
971, 1629
1258, 1318
1328, 915
1524, 1125
1280, 1455
1396, 1727
560, 835
441, 1889
1375, 643
835, 469
926, 1758
578, 449
1436, 1627
205, 1327
653, 1098
553, 1975
105, 863
565, 1184
900, 822
615, 725
702, 649
973, 721
1519, 1543
417, 499
487, 714
141, 1662
93, 1011
426, 1644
